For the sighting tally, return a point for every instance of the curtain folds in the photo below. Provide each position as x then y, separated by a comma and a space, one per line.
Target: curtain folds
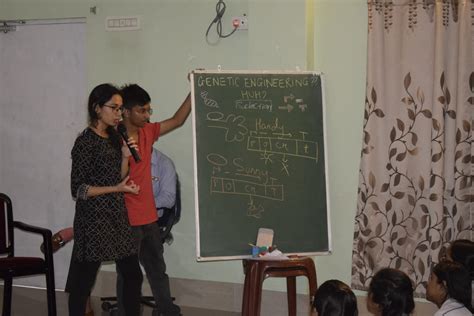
415, 191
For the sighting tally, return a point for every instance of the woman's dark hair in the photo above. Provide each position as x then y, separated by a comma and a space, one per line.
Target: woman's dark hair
456, 280
98, 97
335, 298
392, 290
462, 251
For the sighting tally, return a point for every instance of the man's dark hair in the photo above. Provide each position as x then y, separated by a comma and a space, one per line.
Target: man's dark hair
392, 290
134, 95
456, 279
335, 298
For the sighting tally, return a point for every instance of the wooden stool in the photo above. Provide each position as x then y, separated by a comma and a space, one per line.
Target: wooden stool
256, 271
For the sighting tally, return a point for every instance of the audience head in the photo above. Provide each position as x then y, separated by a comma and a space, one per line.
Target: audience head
335, 298
462, 251
390, 293
449, 279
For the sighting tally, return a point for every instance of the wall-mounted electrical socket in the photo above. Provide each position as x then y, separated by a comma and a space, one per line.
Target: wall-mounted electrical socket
240, 22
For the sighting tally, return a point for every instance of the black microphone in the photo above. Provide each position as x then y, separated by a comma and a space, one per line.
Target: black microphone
123, 132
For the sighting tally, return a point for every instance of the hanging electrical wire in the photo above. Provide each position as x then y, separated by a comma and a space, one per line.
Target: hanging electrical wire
220, 9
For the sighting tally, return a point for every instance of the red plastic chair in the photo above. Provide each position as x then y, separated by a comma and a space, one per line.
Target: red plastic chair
12, 266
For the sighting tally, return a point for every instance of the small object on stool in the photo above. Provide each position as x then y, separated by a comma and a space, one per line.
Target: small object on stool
256, 271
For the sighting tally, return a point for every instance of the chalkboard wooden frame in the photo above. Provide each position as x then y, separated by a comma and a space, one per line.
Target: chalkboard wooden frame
304, 83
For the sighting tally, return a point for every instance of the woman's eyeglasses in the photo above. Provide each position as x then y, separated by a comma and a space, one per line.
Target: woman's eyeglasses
115, 108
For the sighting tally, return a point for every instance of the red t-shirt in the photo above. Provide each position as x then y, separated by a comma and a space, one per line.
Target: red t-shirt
141, 207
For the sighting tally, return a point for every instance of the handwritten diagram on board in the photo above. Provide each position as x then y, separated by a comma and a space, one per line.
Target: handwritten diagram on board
259, 157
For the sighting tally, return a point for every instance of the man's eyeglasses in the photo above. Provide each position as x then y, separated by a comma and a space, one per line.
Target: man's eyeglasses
115, 108
143, 111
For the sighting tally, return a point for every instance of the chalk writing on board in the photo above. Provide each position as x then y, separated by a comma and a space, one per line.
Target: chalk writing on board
275, 142
268, 138
207, 101
240, 179
278, 142
258, 82
290, 102
234, 127
260, 162
264, 105
285, 146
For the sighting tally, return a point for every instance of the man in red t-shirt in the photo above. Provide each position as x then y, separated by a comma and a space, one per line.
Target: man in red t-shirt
141, 207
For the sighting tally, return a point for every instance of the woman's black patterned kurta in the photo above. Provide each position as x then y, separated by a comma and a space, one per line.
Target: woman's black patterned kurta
101, 228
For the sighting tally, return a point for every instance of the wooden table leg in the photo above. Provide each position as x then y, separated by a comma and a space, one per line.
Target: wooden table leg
257, 288
245, 296
291, 295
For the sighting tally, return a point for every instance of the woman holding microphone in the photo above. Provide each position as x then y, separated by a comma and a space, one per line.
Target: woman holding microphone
98, 183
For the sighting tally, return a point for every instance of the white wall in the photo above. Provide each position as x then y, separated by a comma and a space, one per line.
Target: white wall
172, 42
42, 106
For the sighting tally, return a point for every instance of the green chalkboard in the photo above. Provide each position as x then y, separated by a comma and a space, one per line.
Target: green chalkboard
260, 162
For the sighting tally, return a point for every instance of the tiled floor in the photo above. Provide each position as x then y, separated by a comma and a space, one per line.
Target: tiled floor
32, 302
